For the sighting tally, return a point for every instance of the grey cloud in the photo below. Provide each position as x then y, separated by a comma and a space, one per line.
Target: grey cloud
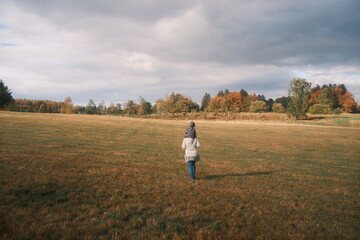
145, 11
232, 32
118, 50
268, 32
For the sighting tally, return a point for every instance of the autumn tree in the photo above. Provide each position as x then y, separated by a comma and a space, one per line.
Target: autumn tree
79, 109
36, 106
327, 97
5, 95
348, 102
160, 106
130, 108
176, 103
337, 93
67, 106
258, 106
216, 104
335, 96
114, 109
314, 95
234, 102
249, 99
320, 109
101, 108
284, 101
42, 108
29, 105
231, 102
278, 108
268, 103
300, 94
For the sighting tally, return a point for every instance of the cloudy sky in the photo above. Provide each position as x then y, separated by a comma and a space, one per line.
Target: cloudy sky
116, 50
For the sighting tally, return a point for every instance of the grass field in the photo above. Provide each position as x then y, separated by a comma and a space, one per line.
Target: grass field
107, 177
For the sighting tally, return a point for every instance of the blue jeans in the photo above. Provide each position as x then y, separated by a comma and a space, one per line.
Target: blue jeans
192, 169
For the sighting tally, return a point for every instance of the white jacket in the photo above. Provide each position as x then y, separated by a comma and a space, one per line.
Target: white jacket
190, 145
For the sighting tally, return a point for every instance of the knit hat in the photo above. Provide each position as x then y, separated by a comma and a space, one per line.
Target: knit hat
190, 132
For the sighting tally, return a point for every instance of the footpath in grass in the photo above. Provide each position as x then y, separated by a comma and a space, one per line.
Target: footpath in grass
106, 177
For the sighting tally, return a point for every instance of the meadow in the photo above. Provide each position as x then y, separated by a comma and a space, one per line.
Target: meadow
107, 177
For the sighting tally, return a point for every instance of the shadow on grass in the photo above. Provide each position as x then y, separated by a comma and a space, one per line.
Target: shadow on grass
316, 118
239, 175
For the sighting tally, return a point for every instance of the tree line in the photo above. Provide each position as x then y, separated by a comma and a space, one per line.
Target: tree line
331, 98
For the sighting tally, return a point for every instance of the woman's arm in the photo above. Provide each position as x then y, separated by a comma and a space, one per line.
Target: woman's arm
183, 144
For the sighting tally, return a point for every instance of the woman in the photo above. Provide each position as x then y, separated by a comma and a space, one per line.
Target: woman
190, 144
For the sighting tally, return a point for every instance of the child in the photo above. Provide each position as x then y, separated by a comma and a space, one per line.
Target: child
190, 144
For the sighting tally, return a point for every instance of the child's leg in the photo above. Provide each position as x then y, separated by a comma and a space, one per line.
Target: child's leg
194, 163
191, 167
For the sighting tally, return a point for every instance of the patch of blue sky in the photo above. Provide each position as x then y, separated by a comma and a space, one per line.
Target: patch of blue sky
7, 44
2, 26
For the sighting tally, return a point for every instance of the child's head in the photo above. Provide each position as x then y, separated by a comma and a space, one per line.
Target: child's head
190, 131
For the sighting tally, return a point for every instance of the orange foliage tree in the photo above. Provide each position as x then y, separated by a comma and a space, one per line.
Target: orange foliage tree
176, 103
216, 104
234, 102
67, 106
348, 102
337, 91
341, 99
314, 97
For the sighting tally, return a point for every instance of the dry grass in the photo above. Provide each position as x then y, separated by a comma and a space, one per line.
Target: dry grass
343, 120
103, 177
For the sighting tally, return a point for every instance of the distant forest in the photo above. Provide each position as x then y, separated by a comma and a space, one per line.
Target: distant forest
331, 98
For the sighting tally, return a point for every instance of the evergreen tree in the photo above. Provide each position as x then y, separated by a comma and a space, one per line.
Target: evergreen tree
5, 95
262, 98
284, 101
244, 93
270, 103
90, 107
145, 107
342, 86
314, 89
221, 93
205, 101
